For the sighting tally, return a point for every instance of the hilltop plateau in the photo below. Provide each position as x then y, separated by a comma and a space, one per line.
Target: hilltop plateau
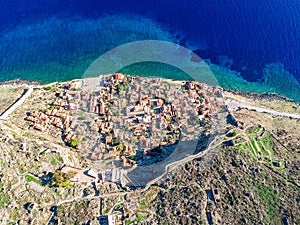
135, 150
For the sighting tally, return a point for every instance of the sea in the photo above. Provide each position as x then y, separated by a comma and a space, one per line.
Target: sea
250, 45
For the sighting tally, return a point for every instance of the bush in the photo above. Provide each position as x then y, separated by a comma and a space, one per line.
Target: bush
60, 179
270, 199
30, 178
47, 88
4, 198
74, 143
56, 160
120, 147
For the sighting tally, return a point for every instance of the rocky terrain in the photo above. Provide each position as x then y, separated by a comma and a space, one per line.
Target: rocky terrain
239, 186
249, 176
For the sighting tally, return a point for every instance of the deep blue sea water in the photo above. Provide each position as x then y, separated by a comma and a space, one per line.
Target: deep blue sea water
57, 40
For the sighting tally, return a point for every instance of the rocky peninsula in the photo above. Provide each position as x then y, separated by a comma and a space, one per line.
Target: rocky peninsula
121, 149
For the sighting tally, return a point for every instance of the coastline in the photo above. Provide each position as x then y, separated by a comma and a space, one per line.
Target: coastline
17, 83
20, 83
261, 96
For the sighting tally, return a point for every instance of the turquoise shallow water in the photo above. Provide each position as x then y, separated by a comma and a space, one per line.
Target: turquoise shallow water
274, 75
61, 49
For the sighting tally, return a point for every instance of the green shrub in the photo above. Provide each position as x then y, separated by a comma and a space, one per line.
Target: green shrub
60, 179
74, 142
30, 178
270, 200
47, 88
56, 160
4, 198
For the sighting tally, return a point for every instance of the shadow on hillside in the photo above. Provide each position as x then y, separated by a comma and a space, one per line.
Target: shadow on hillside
151, 169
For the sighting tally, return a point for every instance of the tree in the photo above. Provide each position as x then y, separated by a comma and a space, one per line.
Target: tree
120, 147
74, 142
60, 179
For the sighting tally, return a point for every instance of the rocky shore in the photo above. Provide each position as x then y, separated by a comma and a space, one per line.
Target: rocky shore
19, 83
260, 97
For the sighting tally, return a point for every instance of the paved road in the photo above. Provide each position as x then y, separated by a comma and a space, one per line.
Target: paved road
18, 103
234, 105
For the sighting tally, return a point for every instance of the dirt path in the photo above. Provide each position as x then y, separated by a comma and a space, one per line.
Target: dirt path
116, 194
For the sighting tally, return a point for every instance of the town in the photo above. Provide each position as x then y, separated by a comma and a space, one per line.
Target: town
128, 119
116, 146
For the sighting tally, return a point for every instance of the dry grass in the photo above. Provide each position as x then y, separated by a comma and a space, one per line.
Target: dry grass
281, 106
8, 96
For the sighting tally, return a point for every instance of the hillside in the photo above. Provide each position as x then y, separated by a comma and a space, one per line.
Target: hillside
249, 174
